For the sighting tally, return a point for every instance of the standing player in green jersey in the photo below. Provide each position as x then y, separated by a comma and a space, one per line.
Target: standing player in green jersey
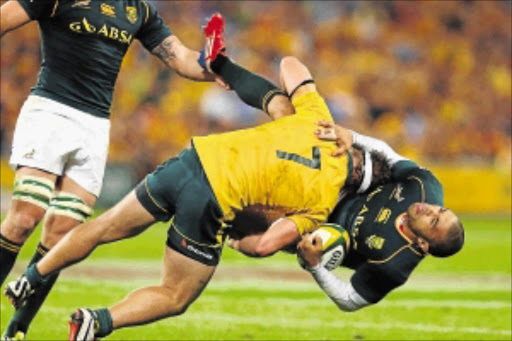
392, 228
62, 134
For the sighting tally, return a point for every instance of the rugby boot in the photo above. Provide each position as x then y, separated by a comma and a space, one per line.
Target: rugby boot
18, 291
19, 336
215, 44
83, 325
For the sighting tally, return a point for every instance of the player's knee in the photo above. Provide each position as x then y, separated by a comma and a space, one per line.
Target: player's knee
27, 220
177, 303
288, 61
181, 308
20, 224
55, 228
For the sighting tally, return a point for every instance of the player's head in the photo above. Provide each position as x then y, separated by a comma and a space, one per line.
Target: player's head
438, 230
369, 170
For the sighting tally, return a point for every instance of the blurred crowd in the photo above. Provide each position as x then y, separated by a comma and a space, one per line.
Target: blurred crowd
432, 78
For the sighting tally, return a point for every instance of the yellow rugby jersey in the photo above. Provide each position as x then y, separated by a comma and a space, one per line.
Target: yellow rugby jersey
278, 164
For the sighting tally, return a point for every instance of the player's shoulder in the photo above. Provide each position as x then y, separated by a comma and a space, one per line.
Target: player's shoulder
399, 263
410, 174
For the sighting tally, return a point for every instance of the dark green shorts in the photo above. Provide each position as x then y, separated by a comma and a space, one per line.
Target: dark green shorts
179, 189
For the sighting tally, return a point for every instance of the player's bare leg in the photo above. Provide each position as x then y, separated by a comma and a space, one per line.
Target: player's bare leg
33, 191
279, 107
69, 207
183, 280
57, 224
23, 216
126, 219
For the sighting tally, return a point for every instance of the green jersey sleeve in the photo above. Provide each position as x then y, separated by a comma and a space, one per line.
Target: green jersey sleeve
431, 189
153, 30
373, 281
402, 169
38, 9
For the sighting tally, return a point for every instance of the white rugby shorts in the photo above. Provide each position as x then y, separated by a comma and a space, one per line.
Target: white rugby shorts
59, 139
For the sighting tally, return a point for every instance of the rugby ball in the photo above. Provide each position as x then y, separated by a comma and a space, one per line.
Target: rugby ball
335, 244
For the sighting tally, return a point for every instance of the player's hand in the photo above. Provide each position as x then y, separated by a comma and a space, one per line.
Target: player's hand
310, 250
332, 132
219, 80
234, 243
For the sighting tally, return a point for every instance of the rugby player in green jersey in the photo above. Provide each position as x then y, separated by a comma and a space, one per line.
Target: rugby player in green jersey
392, 228
61, 139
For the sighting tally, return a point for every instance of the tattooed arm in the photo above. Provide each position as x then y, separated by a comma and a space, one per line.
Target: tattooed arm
12, 16
181, 59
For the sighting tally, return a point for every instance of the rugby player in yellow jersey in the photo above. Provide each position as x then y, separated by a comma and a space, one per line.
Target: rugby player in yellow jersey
279, 164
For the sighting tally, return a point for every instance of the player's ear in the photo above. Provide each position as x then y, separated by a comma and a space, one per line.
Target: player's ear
423, 244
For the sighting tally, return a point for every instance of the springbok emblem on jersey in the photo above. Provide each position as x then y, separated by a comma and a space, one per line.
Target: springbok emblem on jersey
398, 193
131, 14
108, 10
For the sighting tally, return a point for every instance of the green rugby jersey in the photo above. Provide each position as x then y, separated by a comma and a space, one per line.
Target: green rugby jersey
83, 43
383, 258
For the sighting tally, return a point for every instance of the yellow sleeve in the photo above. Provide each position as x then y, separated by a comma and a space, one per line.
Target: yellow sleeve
311, 104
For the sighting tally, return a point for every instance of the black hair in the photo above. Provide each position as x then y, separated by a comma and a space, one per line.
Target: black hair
381, 172
381, 169
450, 245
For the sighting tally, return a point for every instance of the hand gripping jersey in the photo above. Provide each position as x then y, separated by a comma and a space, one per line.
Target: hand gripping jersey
83, 43
381, 254
278, 164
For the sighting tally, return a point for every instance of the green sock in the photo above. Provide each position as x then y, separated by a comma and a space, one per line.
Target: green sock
105, 324
23, 316
253, 89
8, 254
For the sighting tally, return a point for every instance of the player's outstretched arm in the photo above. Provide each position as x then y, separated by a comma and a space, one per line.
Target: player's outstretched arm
341, 293
12, 16
182, 60
345, 138
282, 233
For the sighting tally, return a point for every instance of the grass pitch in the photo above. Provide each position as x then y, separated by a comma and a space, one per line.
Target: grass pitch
465, 297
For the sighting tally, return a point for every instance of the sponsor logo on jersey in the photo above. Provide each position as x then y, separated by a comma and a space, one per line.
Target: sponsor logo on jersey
108, 10
191, 248
375, 242
383, 215
131, 14
360, 216
106, 31
82, 4
355, 233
